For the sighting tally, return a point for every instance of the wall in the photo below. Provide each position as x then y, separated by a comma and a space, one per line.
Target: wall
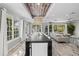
76, 32
3, 33
21, 28
16, 10
1, 38
13, 43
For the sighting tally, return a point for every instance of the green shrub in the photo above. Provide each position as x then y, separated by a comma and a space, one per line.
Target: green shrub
70, 28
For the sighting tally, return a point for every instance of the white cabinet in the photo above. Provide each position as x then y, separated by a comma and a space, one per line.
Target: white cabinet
39, 49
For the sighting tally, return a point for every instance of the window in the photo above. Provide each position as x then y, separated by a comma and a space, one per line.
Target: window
9, 29
50, 28
46, 29
16, 29
12, 29
38, 28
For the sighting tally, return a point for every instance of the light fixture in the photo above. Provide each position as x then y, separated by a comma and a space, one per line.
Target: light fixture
38, 3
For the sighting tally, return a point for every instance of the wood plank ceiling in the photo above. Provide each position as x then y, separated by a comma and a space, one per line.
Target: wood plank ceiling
38, 9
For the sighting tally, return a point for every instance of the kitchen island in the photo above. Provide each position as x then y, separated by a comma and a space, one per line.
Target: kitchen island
39, 46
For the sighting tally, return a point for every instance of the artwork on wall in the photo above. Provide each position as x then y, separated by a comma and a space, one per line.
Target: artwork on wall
59, 28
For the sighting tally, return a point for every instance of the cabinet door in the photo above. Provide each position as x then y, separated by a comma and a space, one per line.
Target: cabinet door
39, 49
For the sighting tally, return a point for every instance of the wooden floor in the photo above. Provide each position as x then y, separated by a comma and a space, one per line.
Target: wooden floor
19, 50
58, 49
64, 49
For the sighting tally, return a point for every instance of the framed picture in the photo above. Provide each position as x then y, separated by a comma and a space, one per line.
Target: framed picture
59, 28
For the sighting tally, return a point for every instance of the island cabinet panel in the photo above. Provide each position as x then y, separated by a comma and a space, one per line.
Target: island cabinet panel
39, 49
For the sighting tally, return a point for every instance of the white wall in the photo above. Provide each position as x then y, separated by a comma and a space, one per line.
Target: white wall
21, 29
76, 32
16, 9
1, 38
3, 33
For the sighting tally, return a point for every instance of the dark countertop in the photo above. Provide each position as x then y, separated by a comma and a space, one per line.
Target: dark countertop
42, 39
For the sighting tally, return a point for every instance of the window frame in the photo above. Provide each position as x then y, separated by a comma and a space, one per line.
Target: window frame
12, 27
